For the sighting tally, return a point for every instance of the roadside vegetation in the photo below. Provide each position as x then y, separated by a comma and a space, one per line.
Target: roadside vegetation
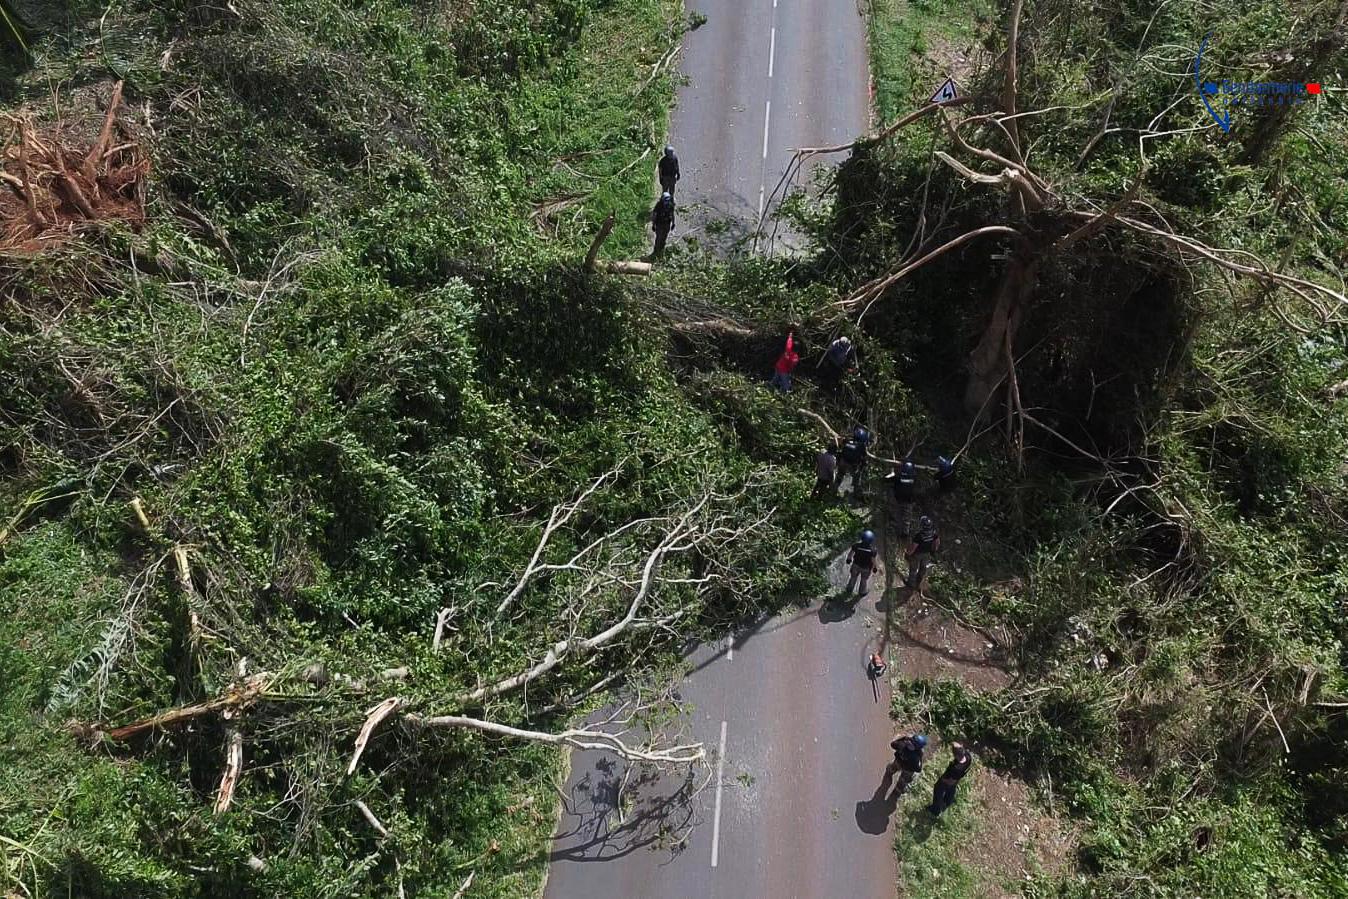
277, 446
299, 398
1171, 520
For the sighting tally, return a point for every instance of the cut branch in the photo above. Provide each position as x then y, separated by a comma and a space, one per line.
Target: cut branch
604, 231
233, 769
239, 696
372, 719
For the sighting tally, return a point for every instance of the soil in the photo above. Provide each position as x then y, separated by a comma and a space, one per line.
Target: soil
931, 645
1016, 838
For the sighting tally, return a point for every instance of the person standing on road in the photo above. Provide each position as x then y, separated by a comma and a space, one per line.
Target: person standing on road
786, 363
853, 460
907, 758
926, 544
669, 171
662, 221
862, 559
944, 792
825, 470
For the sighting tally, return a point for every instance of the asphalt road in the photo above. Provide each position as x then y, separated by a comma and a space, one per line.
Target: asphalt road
793, 802
764, 77
798, 734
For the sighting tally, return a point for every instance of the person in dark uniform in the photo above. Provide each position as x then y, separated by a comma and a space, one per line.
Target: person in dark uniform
862, 559
944, 792
662, 221
903, 485
825, 470
669, 171
852, 459
945, 474
907, 758
925, 545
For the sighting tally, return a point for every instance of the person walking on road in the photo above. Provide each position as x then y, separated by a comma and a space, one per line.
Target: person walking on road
907, 758
943, 795
825, 470
669, 171
662, 221
853, 460
786, 363
862, 559
925, 545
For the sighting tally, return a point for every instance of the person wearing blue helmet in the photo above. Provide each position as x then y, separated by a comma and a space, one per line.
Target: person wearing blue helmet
907, 758
669, 171
903, 485
945, 473
862, 558
852, 459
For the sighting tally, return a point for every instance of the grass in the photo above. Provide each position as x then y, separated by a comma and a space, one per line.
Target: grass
910, 47
928, 848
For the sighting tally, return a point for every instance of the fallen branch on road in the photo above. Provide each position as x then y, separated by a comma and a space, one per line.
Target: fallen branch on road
576, 739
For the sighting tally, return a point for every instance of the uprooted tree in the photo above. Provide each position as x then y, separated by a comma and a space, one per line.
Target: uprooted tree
1045, 225
53, 185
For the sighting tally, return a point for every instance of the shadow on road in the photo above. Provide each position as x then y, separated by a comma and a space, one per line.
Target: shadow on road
873, 814
614, 798
835, 610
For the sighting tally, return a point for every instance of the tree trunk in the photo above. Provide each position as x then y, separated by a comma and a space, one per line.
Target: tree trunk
987, 363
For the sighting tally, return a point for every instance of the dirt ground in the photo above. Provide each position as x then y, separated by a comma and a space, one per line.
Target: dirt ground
931, 645
1016, 837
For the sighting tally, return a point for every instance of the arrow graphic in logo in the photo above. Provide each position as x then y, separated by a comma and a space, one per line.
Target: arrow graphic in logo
1208, 89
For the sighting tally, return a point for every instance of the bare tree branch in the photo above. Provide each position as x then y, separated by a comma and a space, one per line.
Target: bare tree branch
576, 739
1011, 85
873, 289
561, 514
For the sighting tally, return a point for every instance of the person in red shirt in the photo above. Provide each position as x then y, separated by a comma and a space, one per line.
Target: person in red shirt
786, 363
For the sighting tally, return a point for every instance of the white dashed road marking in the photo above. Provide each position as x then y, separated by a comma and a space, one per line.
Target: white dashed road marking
716, 819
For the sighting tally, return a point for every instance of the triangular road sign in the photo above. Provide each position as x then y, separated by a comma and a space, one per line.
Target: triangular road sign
945, 93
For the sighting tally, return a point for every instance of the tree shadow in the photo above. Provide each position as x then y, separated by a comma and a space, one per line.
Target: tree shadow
651, 818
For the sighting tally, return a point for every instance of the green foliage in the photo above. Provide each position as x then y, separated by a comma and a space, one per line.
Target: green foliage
1175, 616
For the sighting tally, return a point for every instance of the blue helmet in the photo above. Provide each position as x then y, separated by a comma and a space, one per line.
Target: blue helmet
921, 741
867, 537
944, 466
862, 435
669, 151
908, 469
